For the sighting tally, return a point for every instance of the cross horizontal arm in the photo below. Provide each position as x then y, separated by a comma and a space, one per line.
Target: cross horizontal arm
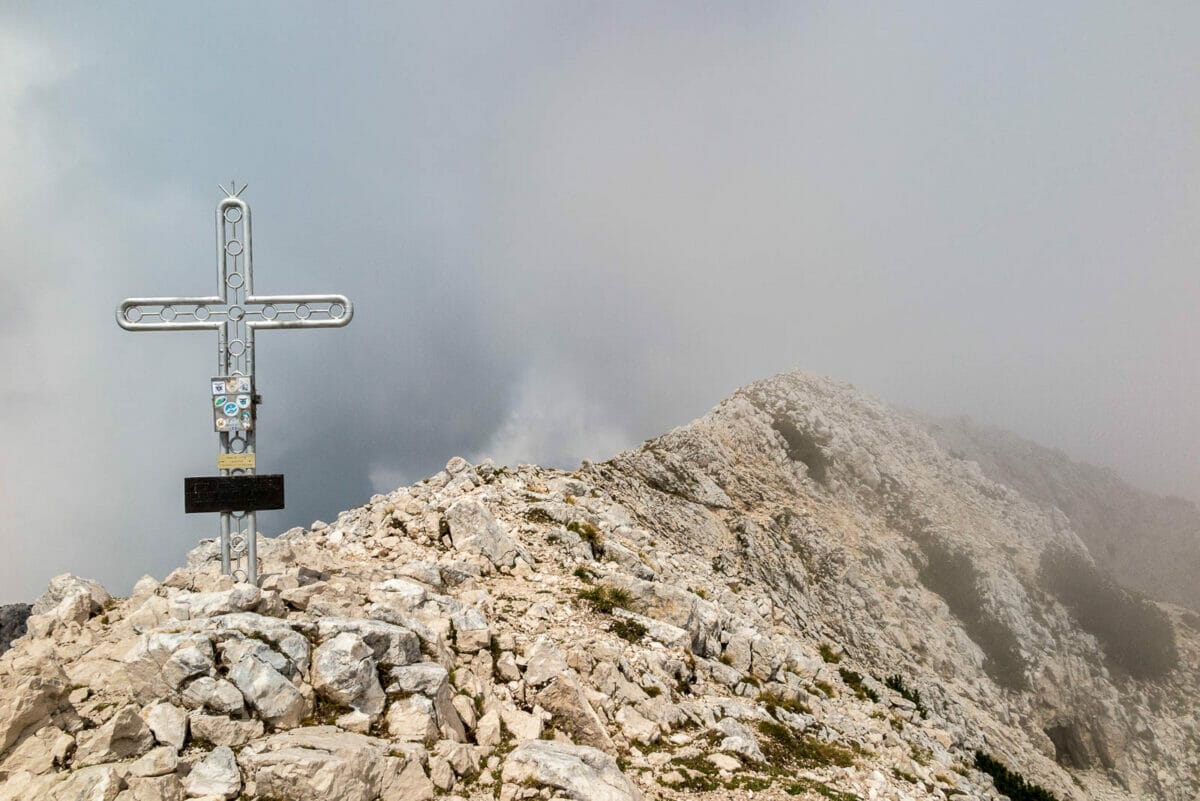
259, 311
170, 314
298, 311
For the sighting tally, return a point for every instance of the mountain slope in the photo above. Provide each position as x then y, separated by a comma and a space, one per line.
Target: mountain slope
798, 595
1149, 542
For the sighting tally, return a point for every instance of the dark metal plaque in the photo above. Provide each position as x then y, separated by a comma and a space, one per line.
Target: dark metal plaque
232, 493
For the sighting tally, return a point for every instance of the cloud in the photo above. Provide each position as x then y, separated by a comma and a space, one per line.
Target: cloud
553, 422
567, 229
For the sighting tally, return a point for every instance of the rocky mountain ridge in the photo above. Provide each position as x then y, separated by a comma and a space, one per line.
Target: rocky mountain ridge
799, 595
1149, 542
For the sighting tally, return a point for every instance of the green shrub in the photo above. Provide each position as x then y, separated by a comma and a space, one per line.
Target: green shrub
773, 701
952, 575
1136, 635
1011, 783
629, 630
584, 575
897, 685
605, 599
829, 654
786, 750
804, 785
587, 532
854, 681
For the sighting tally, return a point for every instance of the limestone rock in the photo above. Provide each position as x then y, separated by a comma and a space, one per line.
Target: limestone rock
317, 762
739, 740
67, 585
573, 714
217, 774
240, 598
218, 695
405, 780
99, 783
474, 530
220, 730
487, 730
155, 762
278, 701
29, 700
154, 788
578, 772
412, 719
390, 644
168, 723
544, 662
758, 576
124, 735
343, 671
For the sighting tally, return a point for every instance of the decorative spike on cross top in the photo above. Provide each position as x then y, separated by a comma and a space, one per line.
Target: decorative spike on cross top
235, 313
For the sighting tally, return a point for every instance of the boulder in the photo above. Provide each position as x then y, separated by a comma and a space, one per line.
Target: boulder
343, 672
279, 702
319, 762
405, 780
523, 725
487, 730
473, 529
637, 727
220, 730
390, 644
576, 771
218, 695
426, 678
124, 735
544, 662
215, 775
168, 723
190, 605
290, 643
158, 761
572, 714
399, 594
145, 661
99, 783
471, 630
413, 720
40, 753
739, 740
153, 788
193, 659
430, 680
66, 585
29, 700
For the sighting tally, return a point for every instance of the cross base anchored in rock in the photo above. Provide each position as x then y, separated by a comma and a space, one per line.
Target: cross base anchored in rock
235, 313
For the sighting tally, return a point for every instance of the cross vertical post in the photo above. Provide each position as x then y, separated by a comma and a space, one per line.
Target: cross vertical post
235, 313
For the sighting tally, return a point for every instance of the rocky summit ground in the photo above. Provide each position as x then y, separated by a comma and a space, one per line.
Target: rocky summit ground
799, 595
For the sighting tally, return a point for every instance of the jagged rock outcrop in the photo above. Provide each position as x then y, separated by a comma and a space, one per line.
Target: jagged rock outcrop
798, 595
1149, 542
12, 623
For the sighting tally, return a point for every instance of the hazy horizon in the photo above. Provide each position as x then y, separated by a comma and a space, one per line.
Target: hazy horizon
567, 228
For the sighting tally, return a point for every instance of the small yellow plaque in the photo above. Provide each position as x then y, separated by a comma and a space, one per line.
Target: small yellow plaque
235, 461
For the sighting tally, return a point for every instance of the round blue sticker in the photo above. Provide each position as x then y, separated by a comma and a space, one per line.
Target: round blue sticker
231, 408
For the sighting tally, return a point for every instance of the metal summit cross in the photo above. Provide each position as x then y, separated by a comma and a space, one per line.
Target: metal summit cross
235, 313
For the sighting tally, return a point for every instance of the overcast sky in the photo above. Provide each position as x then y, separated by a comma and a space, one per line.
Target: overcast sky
568, 227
